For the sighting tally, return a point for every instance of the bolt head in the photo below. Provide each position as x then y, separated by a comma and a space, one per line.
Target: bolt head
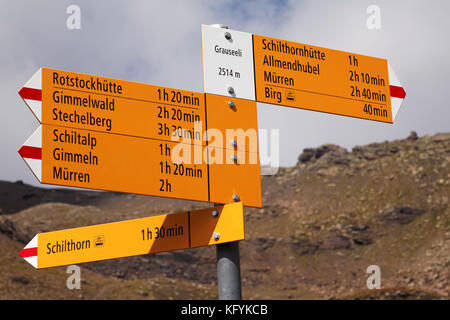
219, 25
231, 105
216, 236
227, 35
230, 90
236, 197
234, 158
215, 213
233, 143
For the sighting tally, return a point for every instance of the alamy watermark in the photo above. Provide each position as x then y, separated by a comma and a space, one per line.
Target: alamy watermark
374, 280
74, 280
73, 21
373, 21
230, 147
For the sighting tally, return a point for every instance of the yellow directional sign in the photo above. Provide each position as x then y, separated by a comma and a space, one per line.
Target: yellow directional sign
136, 237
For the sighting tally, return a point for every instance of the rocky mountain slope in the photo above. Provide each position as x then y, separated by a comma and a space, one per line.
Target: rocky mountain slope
324, 221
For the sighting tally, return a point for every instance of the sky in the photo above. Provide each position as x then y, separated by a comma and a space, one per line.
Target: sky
159, 43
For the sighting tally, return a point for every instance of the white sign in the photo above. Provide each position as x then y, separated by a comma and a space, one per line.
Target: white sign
228, 62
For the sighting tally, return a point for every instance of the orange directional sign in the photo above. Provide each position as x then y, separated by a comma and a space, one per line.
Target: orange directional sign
95, 103
136, 237
315, 78
82, 101
97, 160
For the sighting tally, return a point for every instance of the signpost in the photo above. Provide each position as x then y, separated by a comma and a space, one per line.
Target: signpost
162, 233
263, 69
109, 134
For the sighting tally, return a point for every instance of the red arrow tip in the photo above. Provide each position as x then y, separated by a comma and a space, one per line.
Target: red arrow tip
397, 92
30, 93
31, 152
28, 252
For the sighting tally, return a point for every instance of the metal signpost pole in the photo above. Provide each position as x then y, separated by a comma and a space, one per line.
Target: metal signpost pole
228, 263
228, 270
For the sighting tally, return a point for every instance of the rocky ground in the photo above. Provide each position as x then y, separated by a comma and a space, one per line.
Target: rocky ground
324, 221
